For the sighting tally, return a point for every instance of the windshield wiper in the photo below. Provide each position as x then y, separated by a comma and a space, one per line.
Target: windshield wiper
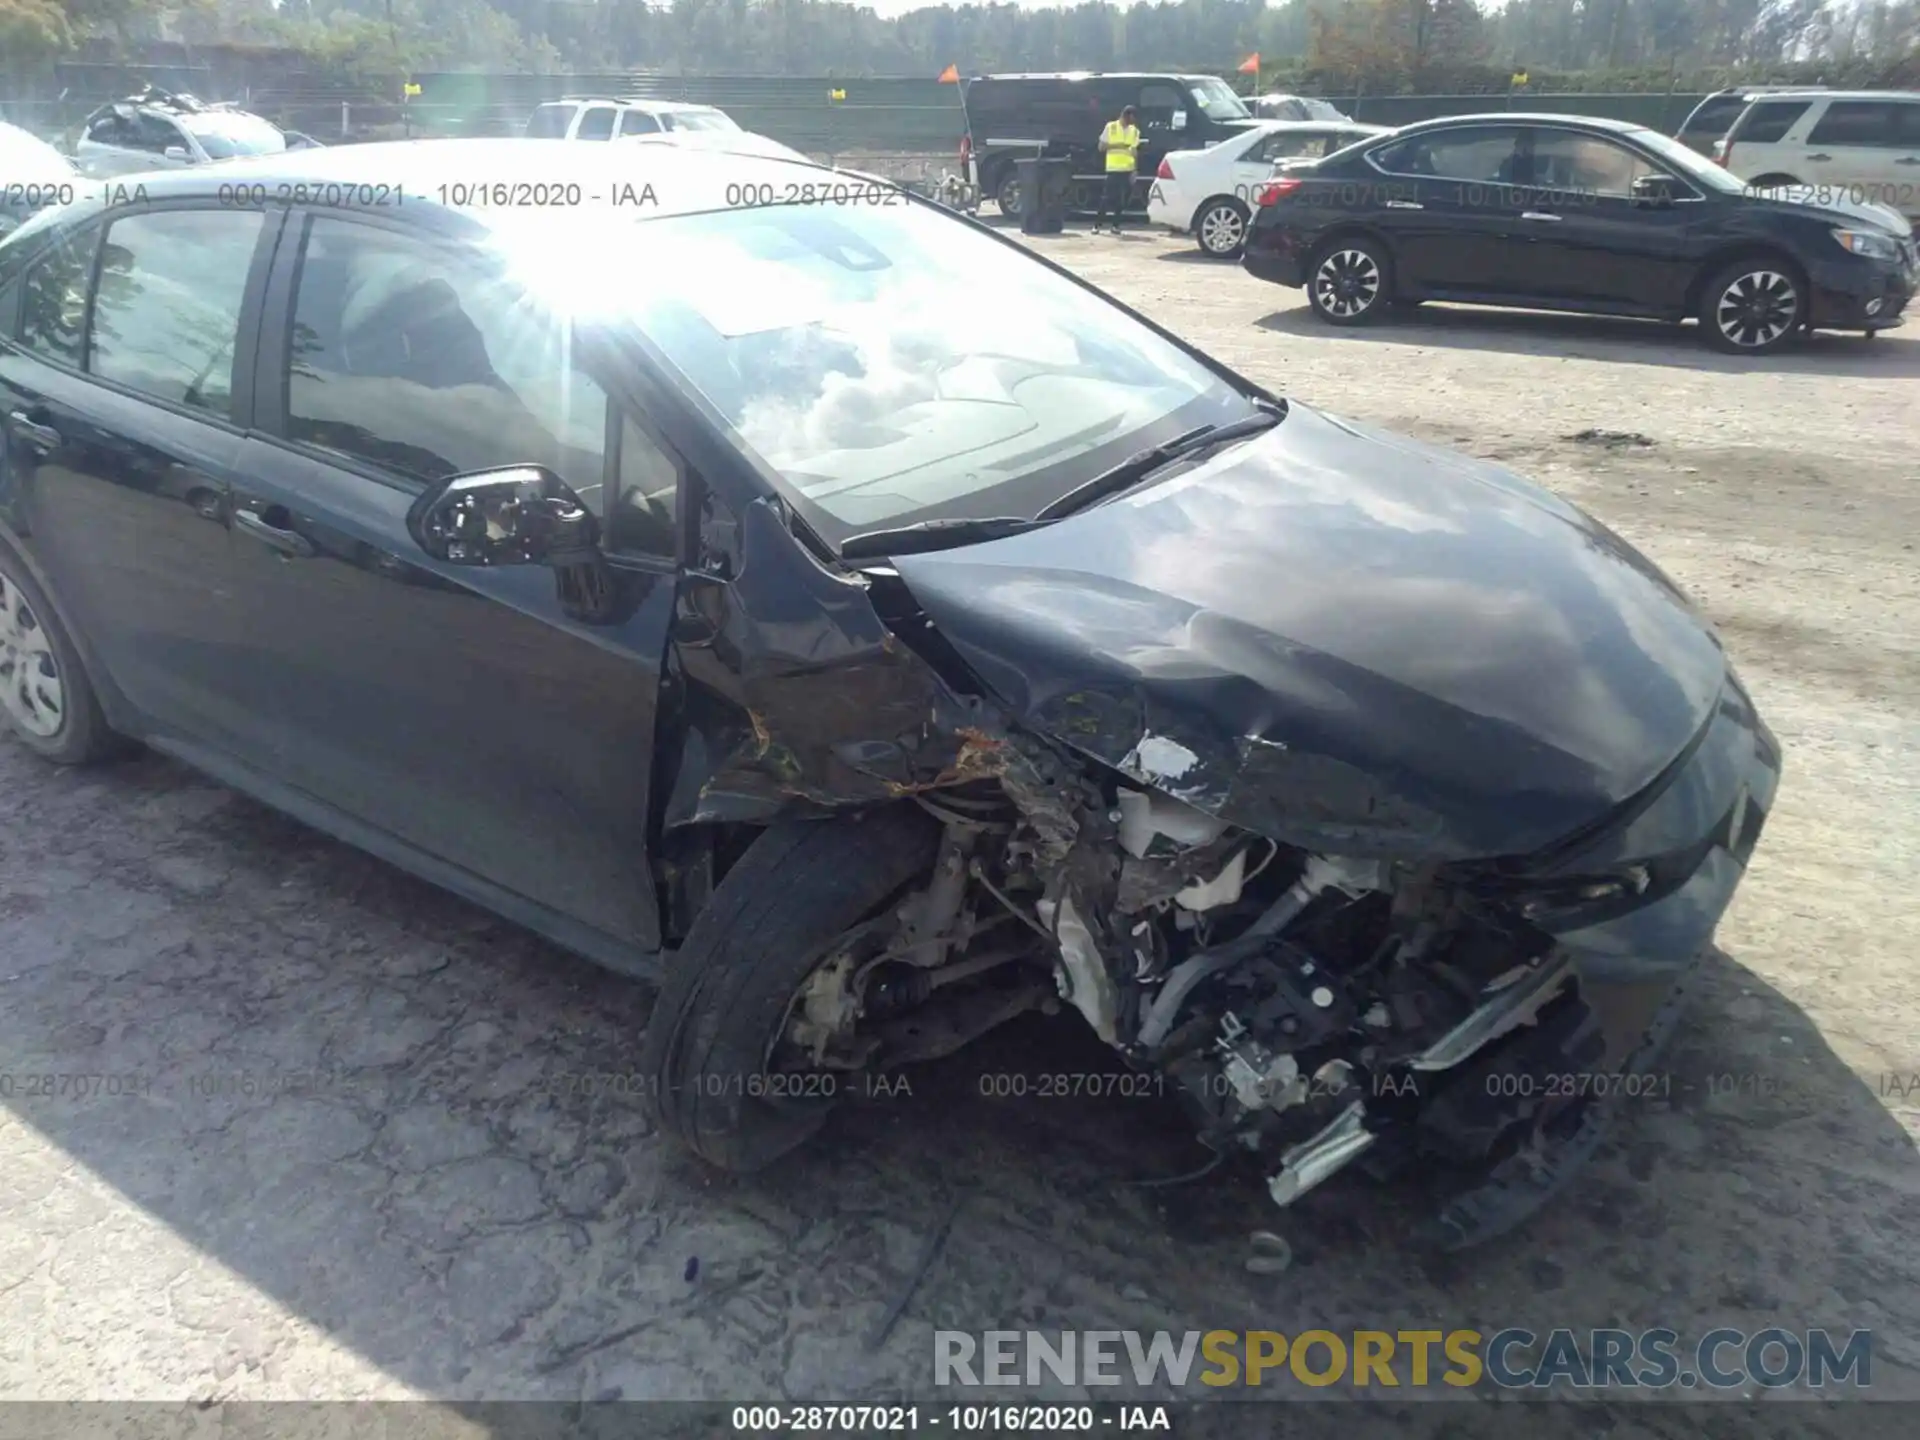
1135, 468
933, 535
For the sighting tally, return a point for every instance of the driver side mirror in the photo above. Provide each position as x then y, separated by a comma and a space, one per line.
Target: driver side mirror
520, 515
1654, 189
1179, 121
176, 152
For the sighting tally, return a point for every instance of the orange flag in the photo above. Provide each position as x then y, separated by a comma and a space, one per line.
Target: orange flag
1251, 65
950, 75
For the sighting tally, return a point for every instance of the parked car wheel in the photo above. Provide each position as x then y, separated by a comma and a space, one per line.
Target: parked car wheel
45, 695
1006, 193
1221, 228
1752, 307
794, 905
1351, 282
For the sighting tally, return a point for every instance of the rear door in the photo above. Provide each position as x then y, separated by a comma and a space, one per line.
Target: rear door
125, 395
1450, 203
1857, 146
468, 712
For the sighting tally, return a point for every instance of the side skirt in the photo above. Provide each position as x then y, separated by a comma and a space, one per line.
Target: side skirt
583, 940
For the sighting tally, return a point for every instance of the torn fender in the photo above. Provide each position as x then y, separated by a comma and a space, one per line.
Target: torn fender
796, 696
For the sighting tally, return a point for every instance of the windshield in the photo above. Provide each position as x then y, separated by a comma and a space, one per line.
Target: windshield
698, 120
1217, 100
889, 364
224, 134
1690, 163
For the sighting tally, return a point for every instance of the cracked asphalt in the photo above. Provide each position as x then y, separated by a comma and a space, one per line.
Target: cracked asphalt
278, 1122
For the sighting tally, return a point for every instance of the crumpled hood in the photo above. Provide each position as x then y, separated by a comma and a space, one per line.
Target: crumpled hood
1345, 640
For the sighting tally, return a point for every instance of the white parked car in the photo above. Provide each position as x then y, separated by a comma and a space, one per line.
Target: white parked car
733, 142
671, 122
159, 131
1209, 193
1859, 145
585, 117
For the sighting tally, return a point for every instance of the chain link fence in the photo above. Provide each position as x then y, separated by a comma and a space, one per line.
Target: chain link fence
908, 127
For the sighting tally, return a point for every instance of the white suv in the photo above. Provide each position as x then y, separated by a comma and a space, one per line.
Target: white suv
158, 131
589, 118
1863, 145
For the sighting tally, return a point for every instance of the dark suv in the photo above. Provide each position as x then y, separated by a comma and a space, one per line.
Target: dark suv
1015, 117
1562, 212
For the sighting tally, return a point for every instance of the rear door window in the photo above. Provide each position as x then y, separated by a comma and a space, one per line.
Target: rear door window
1856, 122
1766, 122
1906, 124
1476, 153
597, 123
166, 316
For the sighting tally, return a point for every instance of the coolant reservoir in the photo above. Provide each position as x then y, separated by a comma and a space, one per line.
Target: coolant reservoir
1145, 814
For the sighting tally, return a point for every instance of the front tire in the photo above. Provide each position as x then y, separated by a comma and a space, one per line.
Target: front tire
1221, 228
1753, 307
1351, 282
46, 697
778, 914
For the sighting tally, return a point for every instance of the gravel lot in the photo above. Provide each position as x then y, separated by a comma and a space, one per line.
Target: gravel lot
362, 1159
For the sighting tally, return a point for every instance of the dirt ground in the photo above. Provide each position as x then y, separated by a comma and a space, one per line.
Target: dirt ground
371, 1149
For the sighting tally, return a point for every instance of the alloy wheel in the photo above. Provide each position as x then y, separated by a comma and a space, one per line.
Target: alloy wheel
1222, 229
1757, 309
1347, 283
30, 688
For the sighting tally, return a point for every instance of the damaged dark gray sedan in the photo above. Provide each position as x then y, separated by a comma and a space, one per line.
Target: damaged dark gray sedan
753, 576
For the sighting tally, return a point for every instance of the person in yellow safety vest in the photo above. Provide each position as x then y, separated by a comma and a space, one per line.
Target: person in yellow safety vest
1120, 143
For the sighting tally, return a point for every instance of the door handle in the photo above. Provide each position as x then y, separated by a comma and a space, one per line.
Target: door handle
287, 542
1539, 215
1819, 157
1405, 205
41, 437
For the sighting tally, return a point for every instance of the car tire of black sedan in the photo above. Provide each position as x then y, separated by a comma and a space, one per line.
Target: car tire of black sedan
1221, 228
1753, 307
46, 697
1350, 281
774, 918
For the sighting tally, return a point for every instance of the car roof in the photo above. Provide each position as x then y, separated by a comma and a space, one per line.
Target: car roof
684, 180
1093, 75
630, 102
1820, 92
1597, 123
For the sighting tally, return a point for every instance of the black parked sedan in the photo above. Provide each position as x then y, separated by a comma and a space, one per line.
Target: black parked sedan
1561, 212
751, 575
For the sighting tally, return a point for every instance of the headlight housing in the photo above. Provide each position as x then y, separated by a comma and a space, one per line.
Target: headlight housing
1871, 244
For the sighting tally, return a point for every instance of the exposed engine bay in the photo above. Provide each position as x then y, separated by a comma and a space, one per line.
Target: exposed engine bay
1308, 1009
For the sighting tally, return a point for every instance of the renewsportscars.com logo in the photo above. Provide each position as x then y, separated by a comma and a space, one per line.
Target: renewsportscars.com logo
1512, 1358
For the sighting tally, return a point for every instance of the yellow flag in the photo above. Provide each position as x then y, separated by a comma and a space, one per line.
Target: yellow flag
1519, 77
836, 94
